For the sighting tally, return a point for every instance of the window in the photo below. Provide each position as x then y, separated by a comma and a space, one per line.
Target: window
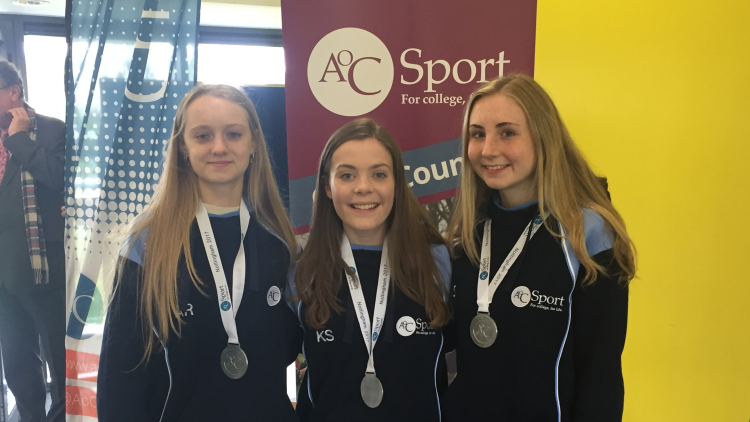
240, 65
45, 74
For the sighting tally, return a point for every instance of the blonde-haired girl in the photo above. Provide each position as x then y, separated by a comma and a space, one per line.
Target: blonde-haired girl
543, 262
197, 329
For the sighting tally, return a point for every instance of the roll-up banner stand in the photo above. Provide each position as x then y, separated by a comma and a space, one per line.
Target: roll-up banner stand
409, 65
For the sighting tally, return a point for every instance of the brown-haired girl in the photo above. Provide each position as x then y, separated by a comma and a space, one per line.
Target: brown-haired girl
195, 331
371, 287
543, 261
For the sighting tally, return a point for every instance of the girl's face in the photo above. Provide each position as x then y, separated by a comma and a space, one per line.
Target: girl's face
218, 144
501, 150
361, 186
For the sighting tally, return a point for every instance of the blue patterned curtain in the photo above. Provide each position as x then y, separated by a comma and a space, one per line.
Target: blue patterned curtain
130, 64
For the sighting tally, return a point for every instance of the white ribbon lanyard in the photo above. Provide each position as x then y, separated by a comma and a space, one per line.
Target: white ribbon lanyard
381, 300
486, 289
228, 303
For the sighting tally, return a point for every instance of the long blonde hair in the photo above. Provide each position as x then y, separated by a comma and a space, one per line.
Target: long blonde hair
169, 216
564, 181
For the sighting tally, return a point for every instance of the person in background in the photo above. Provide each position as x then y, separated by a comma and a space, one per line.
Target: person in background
32, 258
543, 263
195, 330
370, 288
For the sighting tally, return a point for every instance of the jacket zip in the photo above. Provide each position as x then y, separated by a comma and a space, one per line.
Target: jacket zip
570, 316
169, 372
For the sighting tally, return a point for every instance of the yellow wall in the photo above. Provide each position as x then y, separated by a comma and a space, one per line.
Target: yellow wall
657, 94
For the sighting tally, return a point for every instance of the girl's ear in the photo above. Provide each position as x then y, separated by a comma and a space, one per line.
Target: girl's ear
329, 194
183, 148
327, 184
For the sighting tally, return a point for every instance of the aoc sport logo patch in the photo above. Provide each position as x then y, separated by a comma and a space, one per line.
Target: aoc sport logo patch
274, 296
407, 326
522, 296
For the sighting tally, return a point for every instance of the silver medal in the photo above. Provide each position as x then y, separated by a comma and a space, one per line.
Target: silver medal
234, 361
371, 390
483, 330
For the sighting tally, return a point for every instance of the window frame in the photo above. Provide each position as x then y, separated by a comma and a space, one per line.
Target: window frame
14, 27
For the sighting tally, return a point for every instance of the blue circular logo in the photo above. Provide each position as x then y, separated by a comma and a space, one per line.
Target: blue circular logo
484, 275
354, 270
538, 219
225, 305
374, 336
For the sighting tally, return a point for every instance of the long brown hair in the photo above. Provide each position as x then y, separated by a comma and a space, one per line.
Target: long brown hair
170, 214
410, 234
564, 181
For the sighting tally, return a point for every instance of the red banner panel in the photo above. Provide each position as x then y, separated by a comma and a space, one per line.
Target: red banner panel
409, 65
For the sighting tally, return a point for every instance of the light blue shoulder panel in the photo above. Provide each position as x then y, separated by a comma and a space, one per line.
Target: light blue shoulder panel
138, 248
443, 262
291, 291
598, 239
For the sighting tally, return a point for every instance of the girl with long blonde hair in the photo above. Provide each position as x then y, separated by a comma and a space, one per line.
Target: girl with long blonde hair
543, 262
195, 330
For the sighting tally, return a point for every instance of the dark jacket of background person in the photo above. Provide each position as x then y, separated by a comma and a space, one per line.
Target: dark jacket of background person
28, 311
45, 160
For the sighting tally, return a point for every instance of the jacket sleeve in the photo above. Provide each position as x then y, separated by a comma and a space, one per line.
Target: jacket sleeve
600, 318
450, 331
291, 295
122, 384
292, 300
443, 262
44, 160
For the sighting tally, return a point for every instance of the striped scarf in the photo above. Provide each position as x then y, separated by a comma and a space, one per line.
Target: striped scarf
34, 231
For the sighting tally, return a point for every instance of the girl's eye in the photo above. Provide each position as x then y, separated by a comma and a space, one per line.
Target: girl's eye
380, 175
203, 136
234, 135
346, 176
508, 133
476, 135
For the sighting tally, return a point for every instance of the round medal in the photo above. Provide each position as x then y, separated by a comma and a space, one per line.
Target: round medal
371, 390
234, 361
483, 330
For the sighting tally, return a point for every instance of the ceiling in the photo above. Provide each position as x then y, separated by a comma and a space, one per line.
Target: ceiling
232, 13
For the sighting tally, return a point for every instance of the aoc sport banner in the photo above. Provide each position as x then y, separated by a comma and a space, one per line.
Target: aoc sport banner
409, 65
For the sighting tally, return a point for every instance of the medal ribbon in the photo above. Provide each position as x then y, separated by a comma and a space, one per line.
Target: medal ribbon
228, 303
369, 334
485, 288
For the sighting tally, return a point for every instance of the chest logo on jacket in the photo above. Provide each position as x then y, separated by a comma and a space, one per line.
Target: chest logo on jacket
274, 296
522, 296
407, 326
